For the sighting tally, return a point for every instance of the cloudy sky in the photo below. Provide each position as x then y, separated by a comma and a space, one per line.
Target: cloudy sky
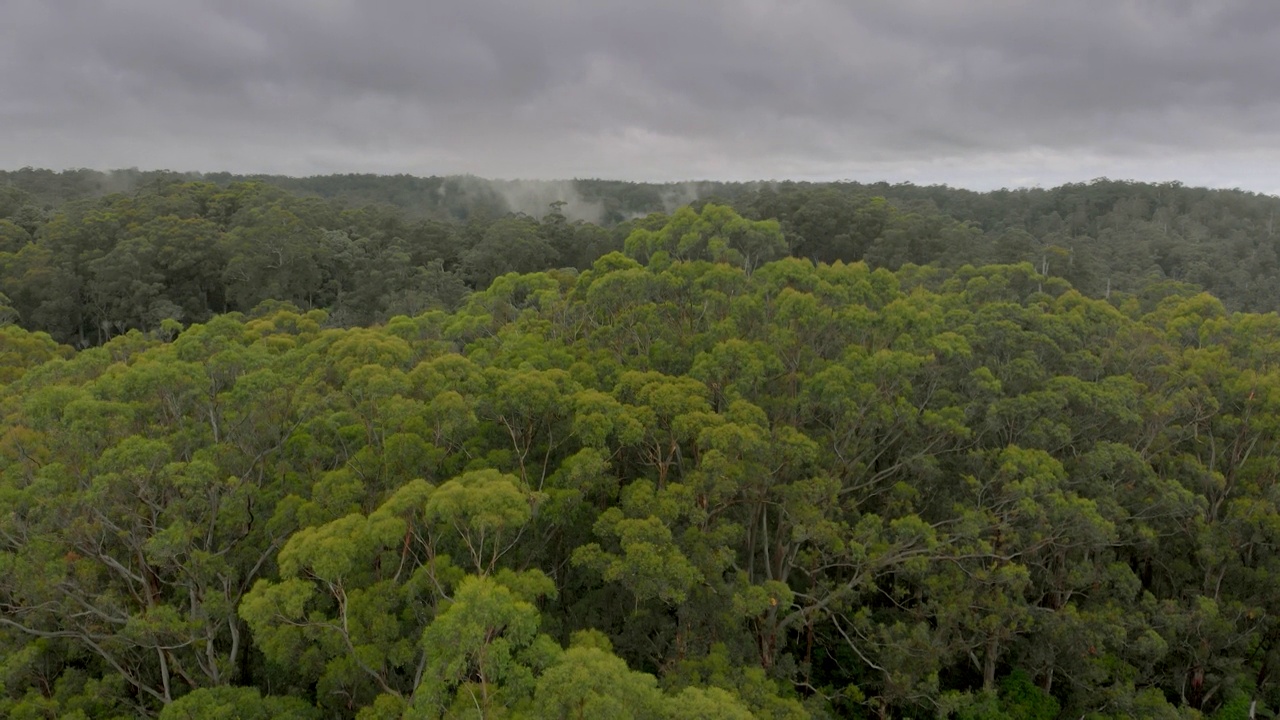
976, 93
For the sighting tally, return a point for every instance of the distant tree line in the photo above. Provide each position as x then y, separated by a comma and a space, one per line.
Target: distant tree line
86, 255
93, 269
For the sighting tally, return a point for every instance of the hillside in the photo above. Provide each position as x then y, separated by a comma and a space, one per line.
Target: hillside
129, 249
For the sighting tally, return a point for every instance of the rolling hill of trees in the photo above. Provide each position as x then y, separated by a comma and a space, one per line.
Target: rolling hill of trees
129, 249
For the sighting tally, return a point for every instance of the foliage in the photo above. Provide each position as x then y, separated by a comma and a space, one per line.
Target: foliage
691, 479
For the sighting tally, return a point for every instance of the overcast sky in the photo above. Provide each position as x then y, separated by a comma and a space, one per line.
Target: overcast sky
976, 93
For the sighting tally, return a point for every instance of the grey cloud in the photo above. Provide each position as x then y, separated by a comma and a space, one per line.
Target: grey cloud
977, 92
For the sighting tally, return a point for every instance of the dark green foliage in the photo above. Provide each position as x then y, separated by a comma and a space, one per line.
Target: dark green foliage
183, 246
236, 703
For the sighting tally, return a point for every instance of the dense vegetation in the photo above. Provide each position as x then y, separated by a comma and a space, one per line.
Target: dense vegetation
685, 476
87, 255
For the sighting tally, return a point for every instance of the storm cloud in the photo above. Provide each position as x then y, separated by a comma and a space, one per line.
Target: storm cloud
979, 93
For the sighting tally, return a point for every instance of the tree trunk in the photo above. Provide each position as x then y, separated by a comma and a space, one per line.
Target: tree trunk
989, 665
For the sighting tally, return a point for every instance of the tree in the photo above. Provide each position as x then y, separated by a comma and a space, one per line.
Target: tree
508, 245
588, 680
239, 703
716, 233
484, 650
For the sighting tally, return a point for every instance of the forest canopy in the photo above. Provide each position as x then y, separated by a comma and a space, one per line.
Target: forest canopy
87, 255
794, 451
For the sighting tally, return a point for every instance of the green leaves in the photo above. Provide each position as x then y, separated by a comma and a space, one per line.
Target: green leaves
593, 682
646, 561
485, 509
236, 703
807, 487
482, 652
716, 233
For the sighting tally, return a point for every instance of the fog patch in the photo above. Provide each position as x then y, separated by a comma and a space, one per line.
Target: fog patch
676, 195
534, 198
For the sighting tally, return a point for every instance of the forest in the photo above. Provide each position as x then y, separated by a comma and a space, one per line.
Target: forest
361, 447
87, 255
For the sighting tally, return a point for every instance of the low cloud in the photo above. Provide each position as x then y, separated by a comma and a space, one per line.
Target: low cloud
978, 92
